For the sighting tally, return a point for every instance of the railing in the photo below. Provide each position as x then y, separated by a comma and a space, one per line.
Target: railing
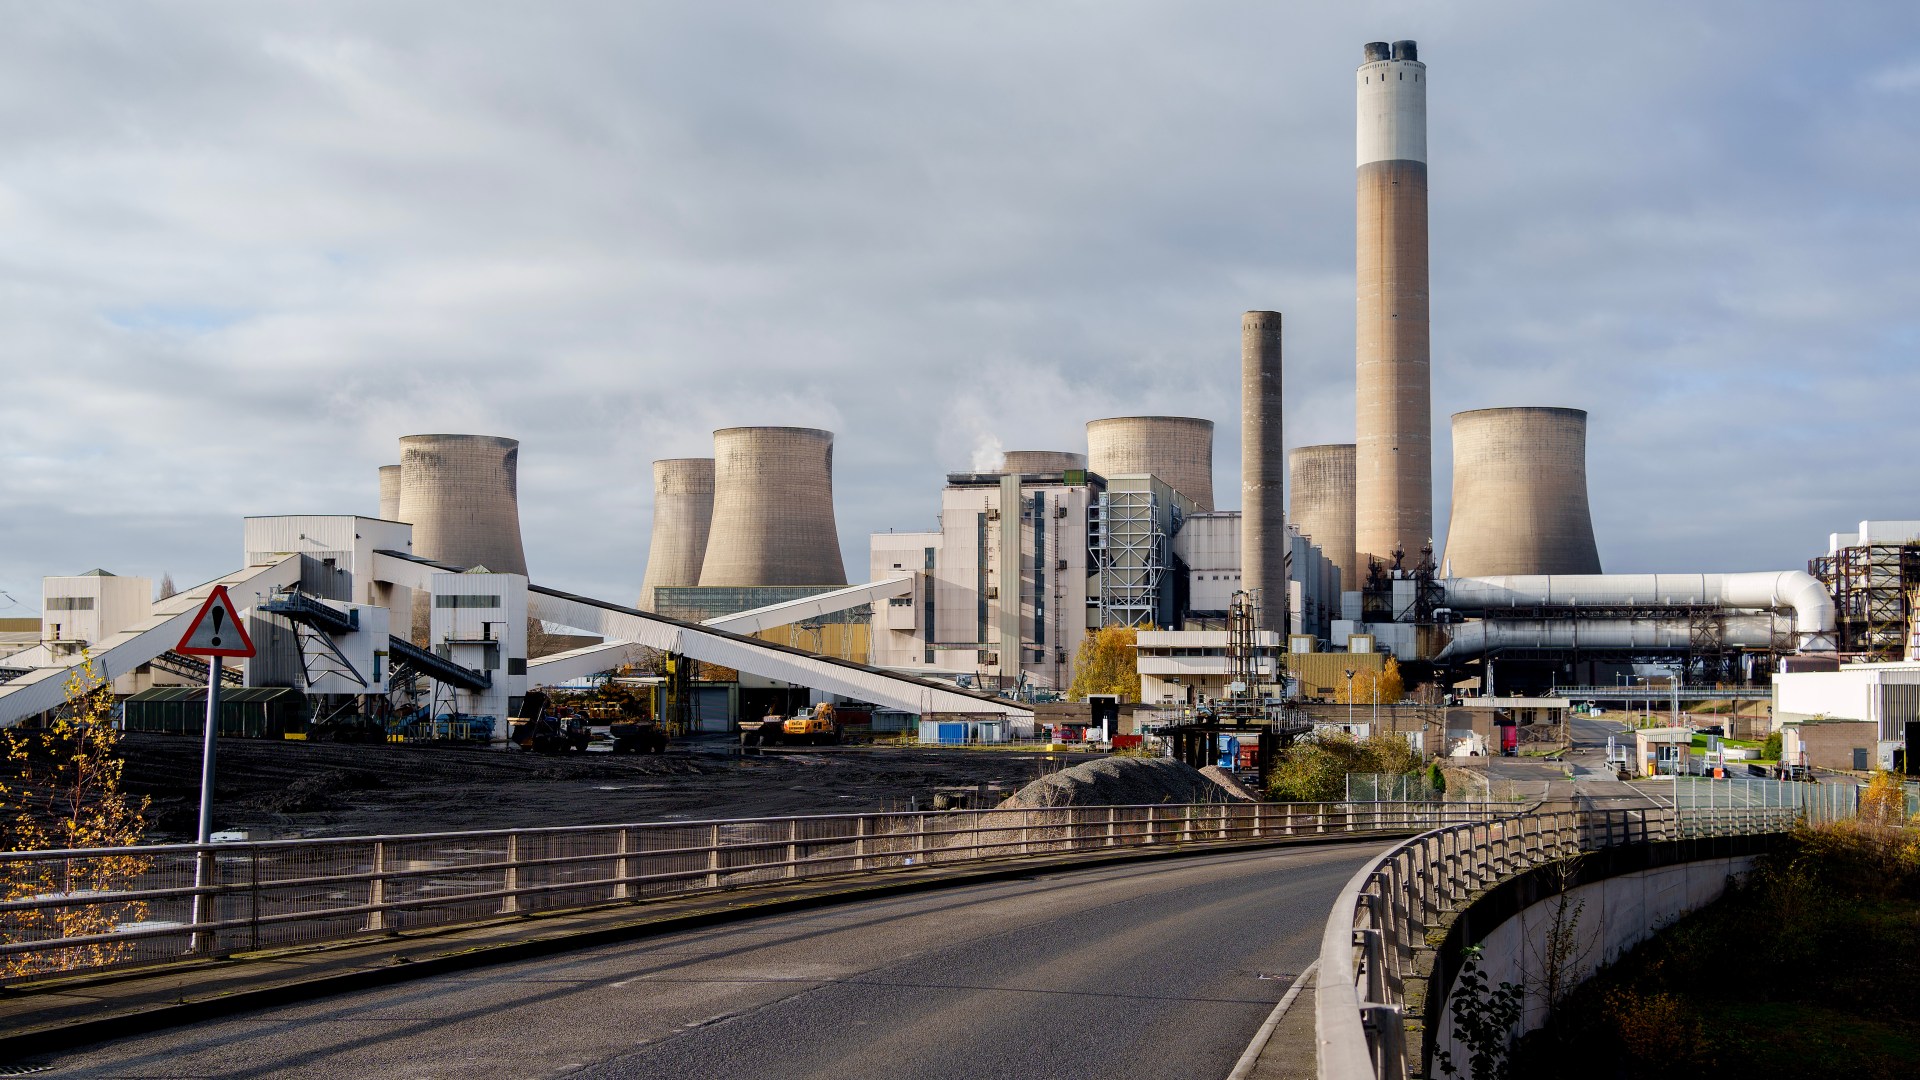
66, 911
1383, 915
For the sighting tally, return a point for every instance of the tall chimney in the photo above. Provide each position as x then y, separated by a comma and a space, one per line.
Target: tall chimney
1393, 457
1263, 470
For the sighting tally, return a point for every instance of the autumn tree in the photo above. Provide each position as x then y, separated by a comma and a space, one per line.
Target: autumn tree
1368, 687
62, 790
1108, 664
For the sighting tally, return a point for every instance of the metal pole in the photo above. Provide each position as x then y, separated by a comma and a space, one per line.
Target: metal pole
202, 859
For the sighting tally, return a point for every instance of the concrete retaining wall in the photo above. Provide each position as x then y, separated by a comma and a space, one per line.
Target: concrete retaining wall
1619, 913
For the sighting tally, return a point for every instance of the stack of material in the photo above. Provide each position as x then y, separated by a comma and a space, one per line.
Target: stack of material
1230, 783
1119, 781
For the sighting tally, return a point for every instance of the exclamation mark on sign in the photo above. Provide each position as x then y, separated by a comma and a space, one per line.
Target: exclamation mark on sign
219, 613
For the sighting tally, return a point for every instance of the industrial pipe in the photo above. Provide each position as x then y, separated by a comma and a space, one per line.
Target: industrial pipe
1782, 590
1478, 638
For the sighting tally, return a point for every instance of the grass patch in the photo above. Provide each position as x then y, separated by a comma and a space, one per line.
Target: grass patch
1809, 969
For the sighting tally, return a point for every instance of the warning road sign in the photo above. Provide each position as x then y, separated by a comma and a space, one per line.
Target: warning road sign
216, 630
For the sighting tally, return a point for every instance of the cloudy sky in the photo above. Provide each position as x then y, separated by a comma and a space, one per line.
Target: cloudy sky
244, 247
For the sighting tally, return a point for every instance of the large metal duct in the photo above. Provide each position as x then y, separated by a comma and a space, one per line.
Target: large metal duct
1041, 462
1393, 459
682, 516
1321, 479
1773, 590
1177, 449
773, 509
461, 494
1263, 478
1671, 635
390, 492
1520, 494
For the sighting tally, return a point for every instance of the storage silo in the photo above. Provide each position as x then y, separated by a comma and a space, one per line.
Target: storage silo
1041, 462
682, 516
390, 492
1177, 449
1520, 494
461, 494
772, 509
1321, 479
1263, 511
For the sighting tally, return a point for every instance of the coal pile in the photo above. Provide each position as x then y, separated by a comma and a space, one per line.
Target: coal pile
1119, 781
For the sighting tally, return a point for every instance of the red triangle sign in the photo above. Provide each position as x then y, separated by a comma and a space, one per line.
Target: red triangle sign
216, 630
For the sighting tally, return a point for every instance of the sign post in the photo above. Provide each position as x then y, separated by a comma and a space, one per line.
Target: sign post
216, 633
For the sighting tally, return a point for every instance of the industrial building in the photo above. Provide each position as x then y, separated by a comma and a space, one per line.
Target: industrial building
1520, 494
1873, 573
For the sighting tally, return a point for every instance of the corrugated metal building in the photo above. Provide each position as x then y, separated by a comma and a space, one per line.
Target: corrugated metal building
253, 712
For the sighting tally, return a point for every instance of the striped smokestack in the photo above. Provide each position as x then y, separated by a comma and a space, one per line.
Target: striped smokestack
1393, 458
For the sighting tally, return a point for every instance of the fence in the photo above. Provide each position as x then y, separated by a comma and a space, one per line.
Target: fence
1818, 803
66, 911
1386, 911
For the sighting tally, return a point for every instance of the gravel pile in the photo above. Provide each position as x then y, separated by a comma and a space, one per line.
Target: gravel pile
1119, 781
1235, 790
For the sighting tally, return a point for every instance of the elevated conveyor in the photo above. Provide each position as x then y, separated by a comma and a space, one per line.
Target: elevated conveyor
44, 686
811, 607
624, 627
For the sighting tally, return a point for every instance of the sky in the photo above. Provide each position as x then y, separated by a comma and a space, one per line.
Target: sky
244, 247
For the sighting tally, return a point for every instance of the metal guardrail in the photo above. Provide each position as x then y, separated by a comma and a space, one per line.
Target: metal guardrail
87, 910
1385, 911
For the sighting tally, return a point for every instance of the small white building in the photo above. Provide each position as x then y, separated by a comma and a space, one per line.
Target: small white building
1188, 667
1886, 694
479, 621
81, 611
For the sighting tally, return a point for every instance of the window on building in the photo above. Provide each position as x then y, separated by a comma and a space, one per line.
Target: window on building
465, 600
70, 603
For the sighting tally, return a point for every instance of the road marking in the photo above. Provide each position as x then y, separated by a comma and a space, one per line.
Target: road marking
1250, 1057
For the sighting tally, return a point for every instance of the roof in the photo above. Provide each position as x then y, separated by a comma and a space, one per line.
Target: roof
227, 694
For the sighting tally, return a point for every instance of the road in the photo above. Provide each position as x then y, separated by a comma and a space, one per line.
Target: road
1154, 969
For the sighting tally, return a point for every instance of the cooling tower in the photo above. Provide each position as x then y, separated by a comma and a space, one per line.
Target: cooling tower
682, 515
1041, 462
390, 492
1263, 513
1520, 494
772, 509
1321, 478
1177, 449
461, 494
1393, 456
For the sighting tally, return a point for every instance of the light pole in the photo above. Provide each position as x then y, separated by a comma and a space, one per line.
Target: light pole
1350, 674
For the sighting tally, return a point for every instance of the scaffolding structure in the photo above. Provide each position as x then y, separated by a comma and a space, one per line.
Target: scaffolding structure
1873, 586
1132, 553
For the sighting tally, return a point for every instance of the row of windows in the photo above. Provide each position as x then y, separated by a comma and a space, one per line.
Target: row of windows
69, 603
465, 600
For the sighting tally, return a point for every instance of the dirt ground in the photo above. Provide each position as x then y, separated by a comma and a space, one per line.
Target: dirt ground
278, 790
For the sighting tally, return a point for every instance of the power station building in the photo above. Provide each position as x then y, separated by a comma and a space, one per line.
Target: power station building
461, 494
773, 521
1177, 449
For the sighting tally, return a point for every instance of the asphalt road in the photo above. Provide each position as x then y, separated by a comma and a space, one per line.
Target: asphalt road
1153, 970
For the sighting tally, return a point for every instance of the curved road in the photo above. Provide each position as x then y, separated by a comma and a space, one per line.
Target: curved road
1156, 969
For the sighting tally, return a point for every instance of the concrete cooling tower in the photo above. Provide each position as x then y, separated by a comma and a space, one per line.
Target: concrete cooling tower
1263, 512
1520, 494
1177, 449
772, 509
1041, 462
461, 493
1393, 459
390, 492
1321, 479
682, 515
